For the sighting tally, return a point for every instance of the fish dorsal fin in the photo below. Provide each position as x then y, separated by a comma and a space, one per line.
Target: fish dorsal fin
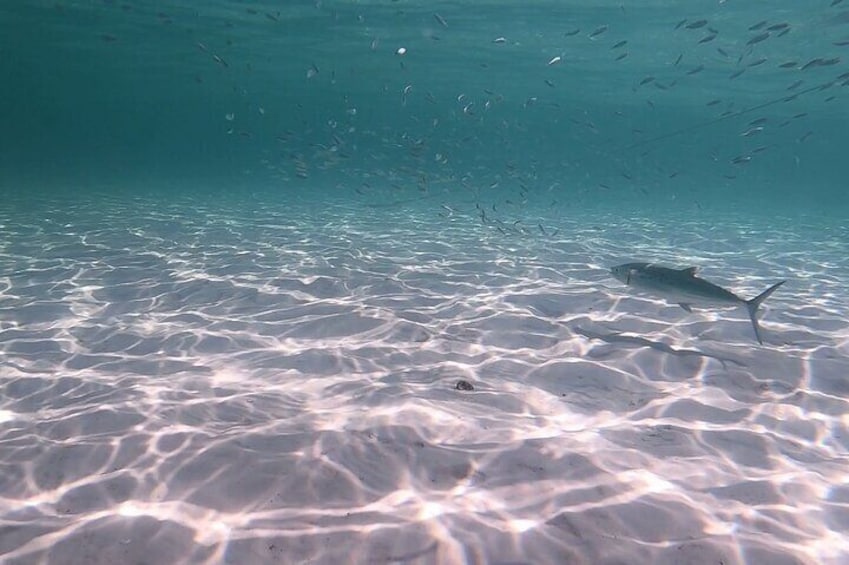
690, 271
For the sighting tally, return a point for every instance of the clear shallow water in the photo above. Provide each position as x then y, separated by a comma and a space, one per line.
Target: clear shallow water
237, 295
199, 382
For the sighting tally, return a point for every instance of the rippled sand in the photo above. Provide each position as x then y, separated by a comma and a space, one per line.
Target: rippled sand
263, 383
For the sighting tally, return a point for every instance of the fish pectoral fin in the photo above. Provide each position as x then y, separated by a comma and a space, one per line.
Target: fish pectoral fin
690, 271
686, 307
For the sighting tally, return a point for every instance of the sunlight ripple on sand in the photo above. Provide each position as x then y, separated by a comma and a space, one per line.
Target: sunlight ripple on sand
279, 384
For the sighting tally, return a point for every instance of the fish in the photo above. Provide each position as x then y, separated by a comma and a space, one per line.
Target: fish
683, 287
812, 63
598, 31
758, 38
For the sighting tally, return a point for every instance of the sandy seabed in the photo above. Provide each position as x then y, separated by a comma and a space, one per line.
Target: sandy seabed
188, 382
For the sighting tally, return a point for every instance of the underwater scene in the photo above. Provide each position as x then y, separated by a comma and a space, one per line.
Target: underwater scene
445, 282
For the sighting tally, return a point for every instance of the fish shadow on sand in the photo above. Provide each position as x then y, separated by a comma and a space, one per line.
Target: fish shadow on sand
637, 341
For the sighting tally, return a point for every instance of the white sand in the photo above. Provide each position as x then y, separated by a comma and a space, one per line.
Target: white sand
277, 385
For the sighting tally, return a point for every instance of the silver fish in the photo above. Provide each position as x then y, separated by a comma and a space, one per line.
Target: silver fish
683, 287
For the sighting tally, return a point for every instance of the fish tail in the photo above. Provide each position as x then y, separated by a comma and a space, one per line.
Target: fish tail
755, 303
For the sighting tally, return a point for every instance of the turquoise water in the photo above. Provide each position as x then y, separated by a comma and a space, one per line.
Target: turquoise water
328, 282
128, 95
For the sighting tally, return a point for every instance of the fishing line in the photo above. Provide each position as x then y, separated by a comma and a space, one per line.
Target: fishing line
743, 112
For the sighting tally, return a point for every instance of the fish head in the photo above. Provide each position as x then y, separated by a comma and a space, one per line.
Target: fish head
625, 272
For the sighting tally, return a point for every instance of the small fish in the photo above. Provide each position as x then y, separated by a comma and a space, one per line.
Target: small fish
554, 60
778, 27
812, 63
788, 64
757, 62
683, 287
708, 38
440, 19
679, 24
622, 56
598, 31
735, 74
696, 24
575, 31
758, 25
758, 38
695, 70
620, 44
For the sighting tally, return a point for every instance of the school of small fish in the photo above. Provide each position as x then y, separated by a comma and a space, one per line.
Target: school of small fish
405, 109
